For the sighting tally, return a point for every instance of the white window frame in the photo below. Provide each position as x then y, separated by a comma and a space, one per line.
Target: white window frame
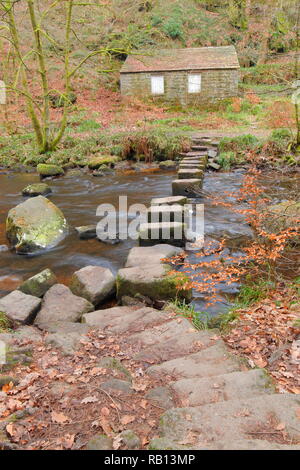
157, 84
194, 83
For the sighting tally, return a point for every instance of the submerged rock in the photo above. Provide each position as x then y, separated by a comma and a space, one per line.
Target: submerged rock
44, 169
93, 283
19, 307
167, 165
34, 225
37, 189
60, 304
39, 284
87, 232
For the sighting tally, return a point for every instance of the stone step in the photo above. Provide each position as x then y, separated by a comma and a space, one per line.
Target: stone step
173, 339
186, 174
197, 392
220, 425
172, 233
119, 320
155, 282
210, 362
144, 256
187, 187
158, 201
197, 148
167, 213
198, 159
193, 154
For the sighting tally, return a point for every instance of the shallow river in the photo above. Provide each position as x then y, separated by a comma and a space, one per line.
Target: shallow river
79, 196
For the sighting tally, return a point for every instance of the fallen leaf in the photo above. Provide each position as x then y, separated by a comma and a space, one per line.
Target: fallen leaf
89, 400
126, 419
59, 418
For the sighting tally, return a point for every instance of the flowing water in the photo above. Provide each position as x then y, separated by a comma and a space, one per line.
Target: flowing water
78, 196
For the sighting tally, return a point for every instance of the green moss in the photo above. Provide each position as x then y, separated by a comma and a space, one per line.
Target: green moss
4, 322
49, 170
36, 189
98, 162
166, 288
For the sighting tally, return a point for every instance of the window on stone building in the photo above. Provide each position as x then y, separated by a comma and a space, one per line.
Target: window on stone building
157, 85
194, 83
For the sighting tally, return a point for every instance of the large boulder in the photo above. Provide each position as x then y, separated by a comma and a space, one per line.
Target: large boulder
39, 284
34, 225
154, 281
45, 170
60, 304
19, 307
93, 283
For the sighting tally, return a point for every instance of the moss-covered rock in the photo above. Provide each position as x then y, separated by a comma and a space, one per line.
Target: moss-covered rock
45, 169
39, 284
34, 225
155, 282
98, 162
37, 189
167, 165
100, 442
130, 440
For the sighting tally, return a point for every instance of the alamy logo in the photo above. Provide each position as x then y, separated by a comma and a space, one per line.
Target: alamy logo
158, 223
2, 353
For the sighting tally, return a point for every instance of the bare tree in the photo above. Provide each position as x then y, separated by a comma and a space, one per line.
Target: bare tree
47, 136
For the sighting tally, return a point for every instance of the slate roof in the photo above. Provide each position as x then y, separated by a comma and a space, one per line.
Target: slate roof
194, 58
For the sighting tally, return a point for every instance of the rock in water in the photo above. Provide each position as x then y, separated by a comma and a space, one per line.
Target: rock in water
37, 189
34, 225
39, 284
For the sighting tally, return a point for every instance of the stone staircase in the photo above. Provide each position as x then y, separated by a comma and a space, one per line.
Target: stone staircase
210, 397
213, 401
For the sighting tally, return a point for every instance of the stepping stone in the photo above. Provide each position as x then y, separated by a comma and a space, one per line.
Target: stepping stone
161, 396
214, 166
156, 283
220, 425
197, 148
191, 165
187, 187
212, 361
193, 154
39, 284
170, 340
144, 256
196, 392
161, 201
119, 320
67, 336
93, 283
172, 233
60, 304
87, 232
37, 189
186, 174
167, 213
168, 165
19, 307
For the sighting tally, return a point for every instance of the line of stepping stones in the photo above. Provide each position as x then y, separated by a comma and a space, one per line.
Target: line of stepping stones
210, 397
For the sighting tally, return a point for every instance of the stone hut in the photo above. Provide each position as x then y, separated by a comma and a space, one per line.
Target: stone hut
186, 76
